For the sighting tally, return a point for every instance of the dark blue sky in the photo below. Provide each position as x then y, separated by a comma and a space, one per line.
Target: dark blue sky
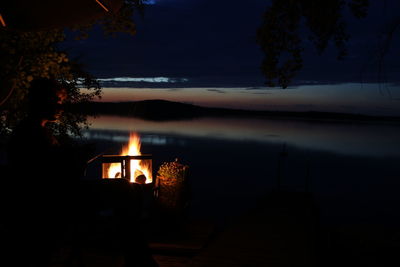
212, 43
200, 40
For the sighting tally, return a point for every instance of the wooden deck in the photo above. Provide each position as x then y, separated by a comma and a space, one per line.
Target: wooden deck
188, 241
280, 232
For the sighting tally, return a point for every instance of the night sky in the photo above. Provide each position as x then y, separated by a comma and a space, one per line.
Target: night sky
211, 46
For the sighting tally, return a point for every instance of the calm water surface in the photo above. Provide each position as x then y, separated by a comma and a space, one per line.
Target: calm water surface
352, 168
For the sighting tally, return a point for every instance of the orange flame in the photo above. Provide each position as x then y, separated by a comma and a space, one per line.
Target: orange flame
137, 167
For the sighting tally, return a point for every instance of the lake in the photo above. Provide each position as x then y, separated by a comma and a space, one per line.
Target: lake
352, 168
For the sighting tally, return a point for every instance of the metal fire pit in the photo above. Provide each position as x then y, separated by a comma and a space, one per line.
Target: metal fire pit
124, 172
144, 190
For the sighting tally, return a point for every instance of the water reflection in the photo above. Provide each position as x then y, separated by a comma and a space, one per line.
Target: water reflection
362, 139
351, 168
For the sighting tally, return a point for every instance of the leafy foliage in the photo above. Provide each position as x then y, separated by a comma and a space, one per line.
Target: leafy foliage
120, 22
280, 35
25, 56
173, 170
173, 186
30, 55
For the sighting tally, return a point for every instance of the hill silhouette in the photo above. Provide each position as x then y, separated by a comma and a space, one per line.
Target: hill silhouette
162, 110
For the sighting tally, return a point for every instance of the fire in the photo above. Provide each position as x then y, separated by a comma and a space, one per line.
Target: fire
138, 168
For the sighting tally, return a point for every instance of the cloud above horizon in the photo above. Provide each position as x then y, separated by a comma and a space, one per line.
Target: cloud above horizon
145, 79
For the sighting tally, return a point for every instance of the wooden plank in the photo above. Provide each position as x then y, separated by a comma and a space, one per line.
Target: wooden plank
189, 240
172, 261
280, 233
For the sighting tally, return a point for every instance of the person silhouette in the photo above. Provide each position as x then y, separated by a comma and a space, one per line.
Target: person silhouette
45, 174
47, 204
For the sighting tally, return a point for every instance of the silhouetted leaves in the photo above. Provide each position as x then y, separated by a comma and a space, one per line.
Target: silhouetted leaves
281, 35
26, 55
113, 23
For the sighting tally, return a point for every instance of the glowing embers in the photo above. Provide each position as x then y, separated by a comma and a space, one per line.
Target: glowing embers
130, 164
136, 169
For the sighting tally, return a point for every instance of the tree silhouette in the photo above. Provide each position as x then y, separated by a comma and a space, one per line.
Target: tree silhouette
26, 54
281, 34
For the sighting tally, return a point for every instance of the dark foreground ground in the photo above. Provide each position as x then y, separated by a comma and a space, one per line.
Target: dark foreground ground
283, 229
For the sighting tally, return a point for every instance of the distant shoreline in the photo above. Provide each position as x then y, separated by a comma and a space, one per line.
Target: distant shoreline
163, 110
